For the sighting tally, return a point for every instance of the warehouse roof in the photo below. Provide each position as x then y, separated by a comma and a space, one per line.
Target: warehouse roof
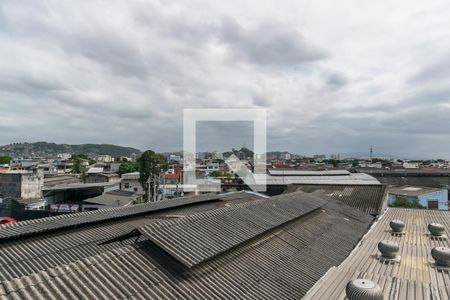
413, 276
30, 227
322, 178
294, 172
368, 198
113, 198
262, 249
414, 191
28, 251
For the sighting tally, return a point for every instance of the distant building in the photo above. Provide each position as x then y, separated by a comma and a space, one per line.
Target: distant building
174, 158
319, 157
217, 155
104, 158
18, 164
64, 156
200, 155
431, 198
102, 177
130, 182
335, 156
408, 165
212, 166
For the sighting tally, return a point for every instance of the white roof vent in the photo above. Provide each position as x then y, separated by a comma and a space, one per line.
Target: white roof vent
388, 249
441, 255
363, 289
436, 229
397, 226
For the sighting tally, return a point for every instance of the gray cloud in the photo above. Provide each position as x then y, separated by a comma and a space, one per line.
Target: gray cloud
78, 72
269, 43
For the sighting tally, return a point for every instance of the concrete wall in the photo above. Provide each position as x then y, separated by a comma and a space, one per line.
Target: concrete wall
10, 185
32, 185
133, 186
22, 185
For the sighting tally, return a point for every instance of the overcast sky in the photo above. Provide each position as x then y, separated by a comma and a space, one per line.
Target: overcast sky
334, 78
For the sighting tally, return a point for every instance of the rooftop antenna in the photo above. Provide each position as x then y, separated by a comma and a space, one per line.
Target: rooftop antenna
371, 153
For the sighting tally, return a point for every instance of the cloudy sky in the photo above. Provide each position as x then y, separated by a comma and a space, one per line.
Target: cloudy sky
333, 78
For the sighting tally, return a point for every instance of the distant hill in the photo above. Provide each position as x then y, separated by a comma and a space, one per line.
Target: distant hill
52, 149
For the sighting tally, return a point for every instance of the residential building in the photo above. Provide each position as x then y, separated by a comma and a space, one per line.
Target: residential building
64, 156
104, 158
430, 198
319, 157
93, 177
130, 182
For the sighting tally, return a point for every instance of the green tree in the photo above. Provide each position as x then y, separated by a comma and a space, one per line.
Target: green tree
77, 167
214, 174
401, 202
150, 165
5, 160
127, 167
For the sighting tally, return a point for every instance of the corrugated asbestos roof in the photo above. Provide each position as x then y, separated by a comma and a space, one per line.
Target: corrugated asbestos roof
293, 172
10, 231
197, 238
370, 199
29, 254
281, 263
413, 191
414, 277
351, 179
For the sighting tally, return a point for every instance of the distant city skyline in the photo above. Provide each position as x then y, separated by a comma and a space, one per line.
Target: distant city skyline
333, 78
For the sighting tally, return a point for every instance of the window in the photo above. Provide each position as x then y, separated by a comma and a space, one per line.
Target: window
433, 204
135, 189
127, 185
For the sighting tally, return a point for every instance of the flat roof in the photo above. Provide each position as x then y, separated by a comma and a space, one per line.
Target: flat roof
78, 186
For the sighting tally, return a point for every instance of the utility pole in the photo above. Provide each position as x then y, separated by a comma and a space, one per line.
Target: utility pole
164, 185
154, 188
371, 153
148, 189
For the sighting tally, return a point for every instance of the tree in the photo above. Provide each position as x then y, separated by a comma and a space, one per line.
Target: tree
77, 167
150, 165
127, 167
401, 202
214, 174
5, 160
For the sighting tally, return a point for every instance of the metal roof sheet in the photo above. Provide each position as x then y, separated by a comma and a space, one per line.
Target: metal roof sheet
291, 172
368, 198
351, 179
29, 254
413, 277
282, 263
9, 231
194, 239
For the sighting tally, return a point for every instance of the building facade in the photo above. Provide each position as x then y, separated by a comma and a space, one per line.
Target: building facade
430, 198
